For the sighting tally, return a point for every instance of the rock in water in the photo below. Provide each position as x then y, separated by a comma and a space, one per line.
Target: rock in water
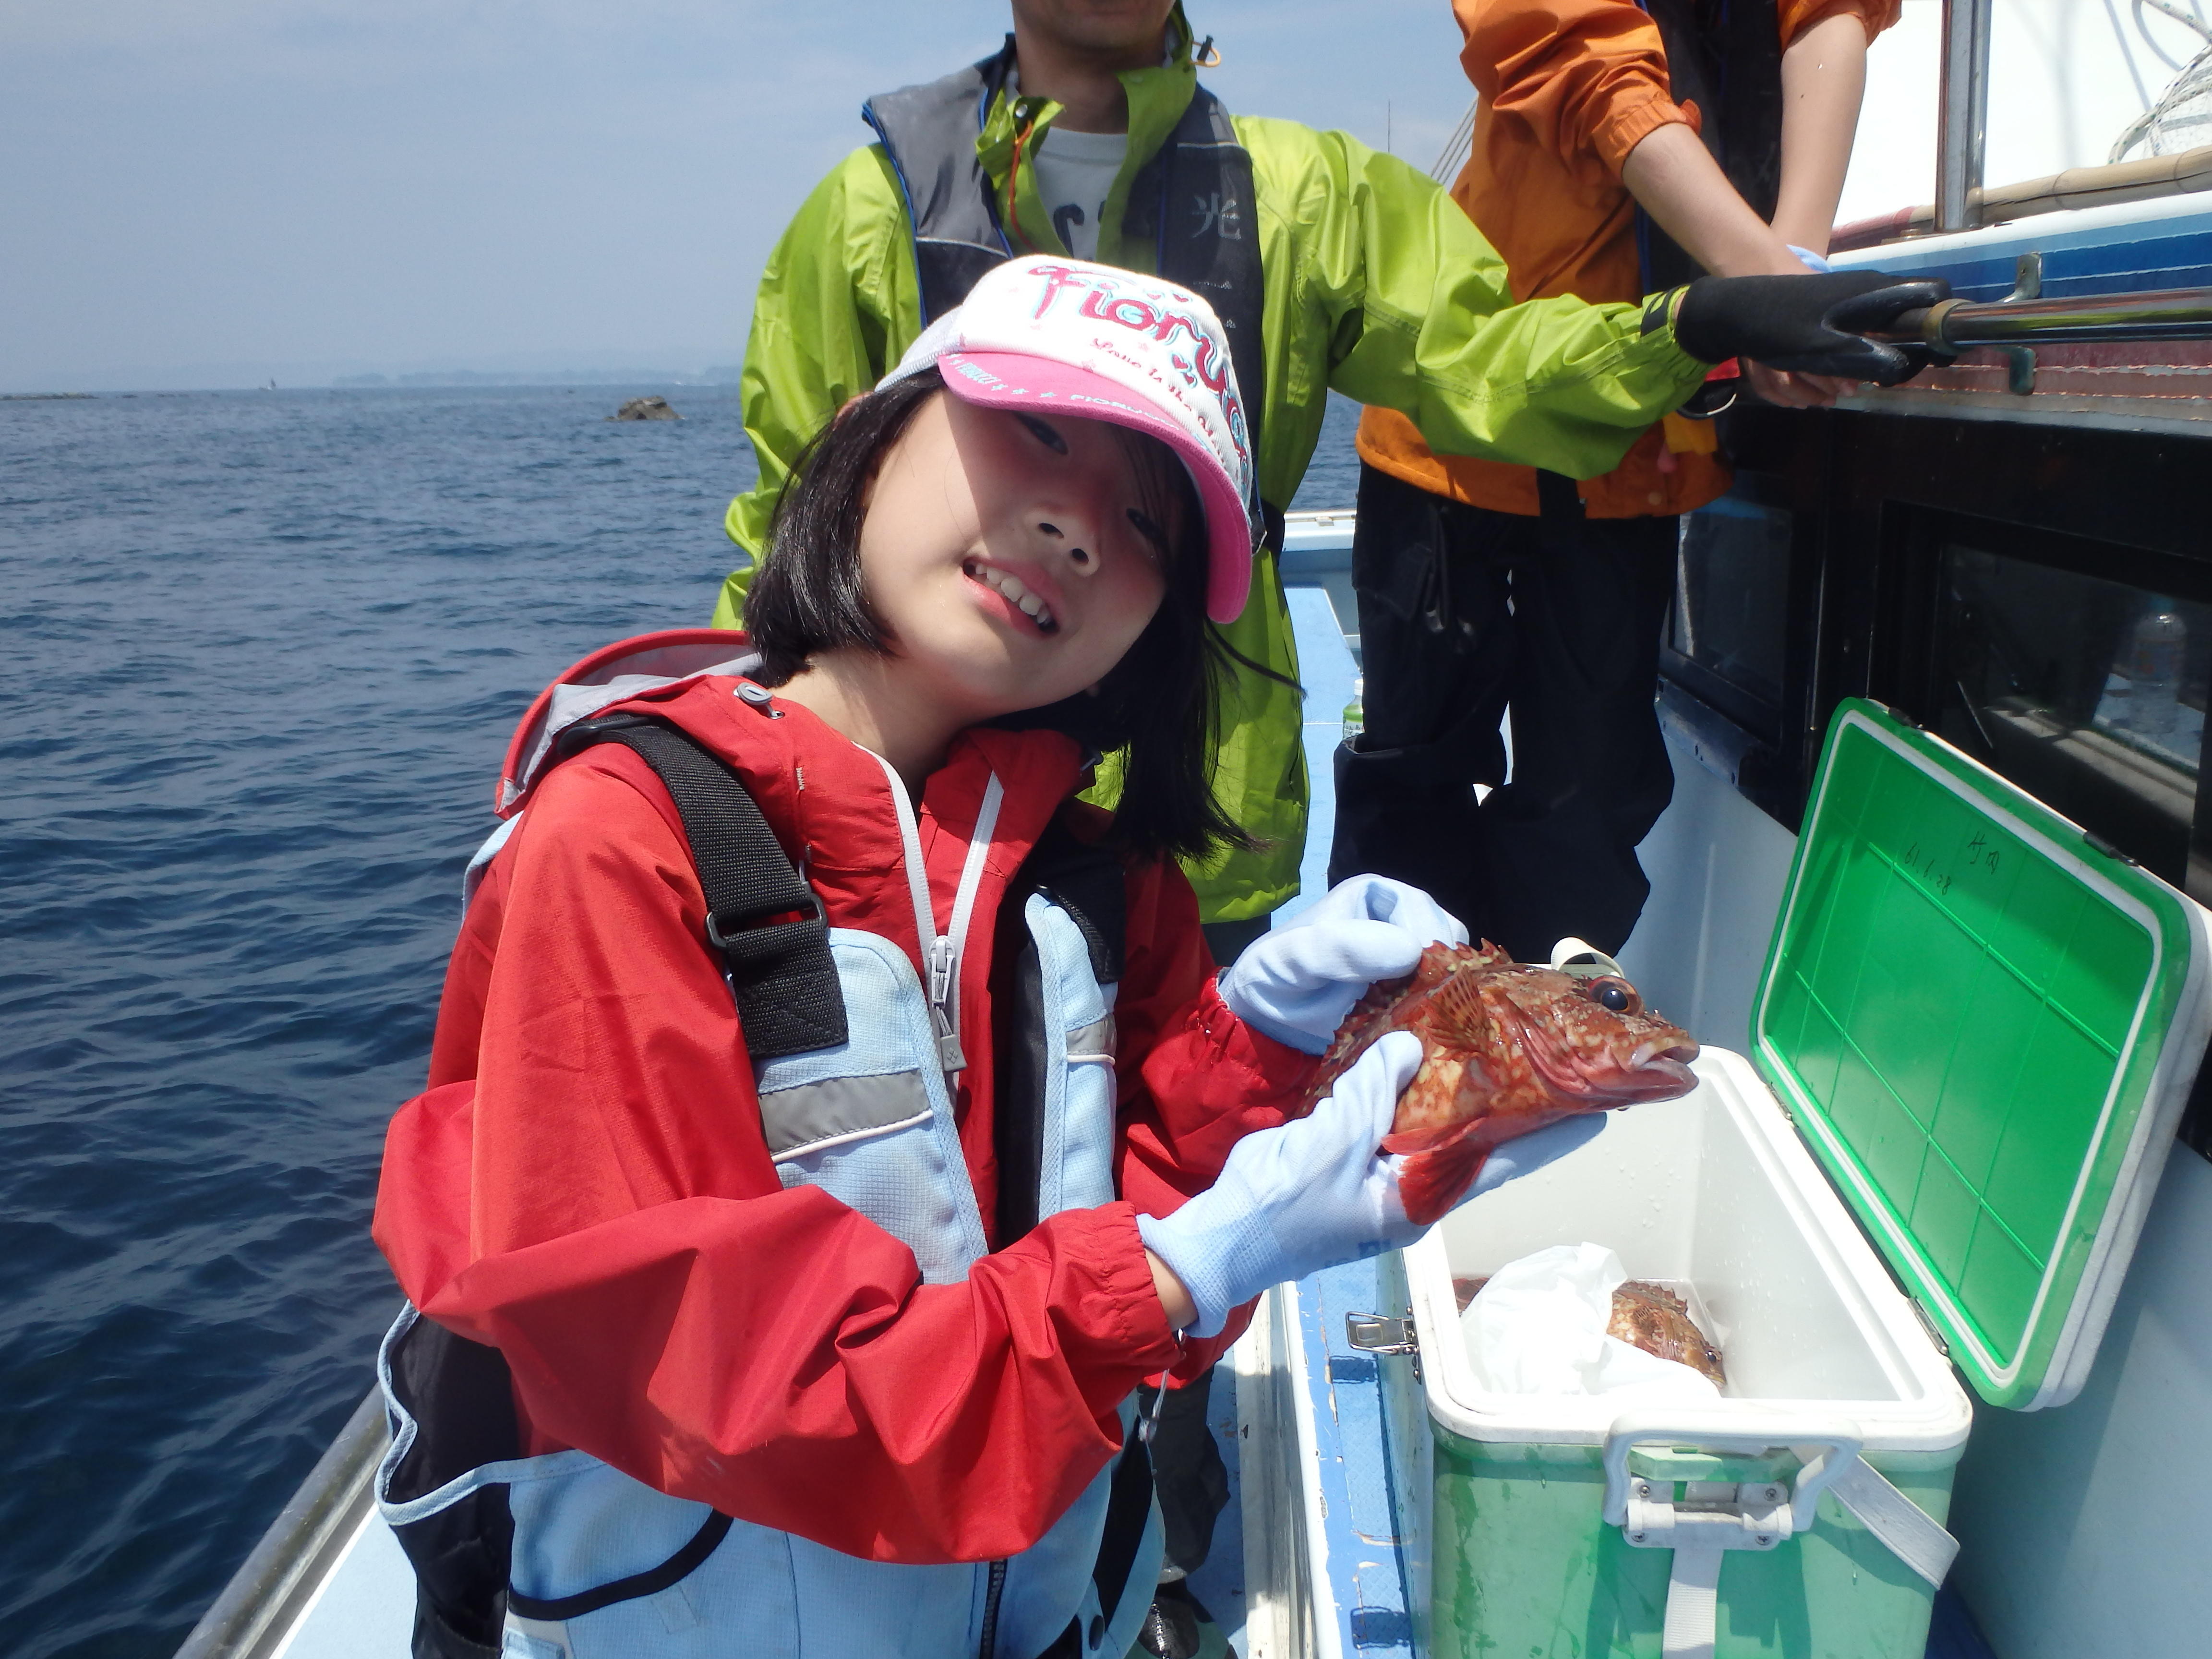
646, 408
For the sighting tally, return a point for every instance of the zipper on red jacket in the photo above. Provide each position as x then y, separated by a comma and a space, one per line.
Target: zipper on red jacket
941, 952
985, 1650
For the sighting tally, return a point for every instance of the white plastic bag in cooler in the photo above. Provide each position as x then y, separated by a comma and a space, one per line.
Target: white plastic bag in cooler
1539, 1327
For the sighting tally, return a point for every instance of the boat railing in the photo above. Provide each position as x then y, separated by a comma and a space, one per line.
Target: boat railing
1955, 325
1962, 129
271, 1590
2149, 179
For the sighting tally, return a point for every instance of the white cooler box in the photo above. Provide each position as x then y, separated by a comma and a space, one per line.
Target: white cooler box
1975, 1035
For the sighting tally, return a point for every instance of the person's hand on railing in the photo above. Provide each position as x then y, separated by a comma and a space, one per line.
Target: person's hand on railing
1812, 325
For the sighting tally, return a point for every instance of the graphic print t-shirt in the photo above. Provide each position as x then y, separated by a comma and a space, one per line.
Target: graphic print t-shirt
1074, 171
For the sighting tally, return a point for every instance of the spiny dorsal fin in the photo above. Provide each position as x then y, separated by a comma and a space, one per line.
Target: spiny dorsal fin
1457, 1016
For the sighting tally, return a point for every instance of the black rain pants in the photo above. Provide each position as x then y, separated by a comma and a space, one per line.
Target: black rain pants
1465, 614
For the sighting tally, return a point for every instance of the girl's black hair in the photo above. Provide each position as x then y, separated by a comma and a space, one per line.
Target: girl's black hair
1159, 704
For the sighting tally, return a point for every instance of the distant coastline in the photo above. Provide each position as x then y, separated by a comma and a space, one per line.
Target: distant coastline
726, 375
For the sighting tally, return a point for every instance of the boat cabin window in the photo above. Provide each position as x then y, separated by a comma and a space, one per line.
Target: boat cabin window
1724, 639
2079, 670
1734, 658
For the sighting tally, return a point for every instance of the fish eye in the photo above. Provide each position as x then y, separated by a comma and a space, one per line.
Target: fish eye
1615, 995
1043, 433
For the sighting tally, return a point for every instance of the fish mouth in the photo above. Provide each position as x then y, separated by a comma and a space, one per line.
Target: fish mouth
1656, 1070
1662, 1077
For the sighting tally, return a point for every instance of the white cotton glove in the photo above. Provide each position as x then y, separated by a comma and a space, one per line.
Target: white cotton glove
1530, 1152
1292, 1200
1296, 983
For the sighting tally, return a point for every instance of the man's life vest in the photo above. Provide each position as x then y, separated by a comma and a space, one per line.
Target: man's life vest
563, 1557
1193, 202
1724, 55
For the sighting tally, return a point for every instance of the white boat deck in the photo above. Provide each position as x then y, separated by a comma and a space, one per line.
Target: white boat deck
365, 1609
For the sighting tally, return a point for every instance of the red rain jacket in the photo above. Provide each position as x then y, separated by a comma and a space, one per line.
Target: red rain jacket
586, 1186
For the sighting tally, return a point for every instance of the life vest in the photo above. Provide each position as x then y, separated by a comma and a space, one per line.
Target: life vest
1193, 202
1724, 55
564, 1556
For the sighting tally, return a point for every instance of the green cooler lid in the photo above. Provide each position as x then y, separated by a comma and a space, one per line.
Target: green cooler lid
1986, 1027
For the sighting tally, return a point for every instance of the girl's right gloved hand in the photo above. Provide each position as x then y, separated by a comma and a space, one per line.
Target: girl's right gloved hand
1298, 983
1312, 1194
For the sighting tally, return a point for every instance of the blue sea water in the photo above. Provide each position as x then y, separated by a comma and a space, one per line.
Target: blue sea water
262, 654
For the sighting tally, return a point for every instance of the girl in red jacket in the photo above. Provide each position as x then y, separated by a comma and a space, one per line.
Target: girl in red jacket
785, 1268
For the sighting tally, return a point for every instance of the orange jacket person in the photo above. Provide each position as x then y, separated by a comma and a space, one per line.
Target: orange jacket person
1484, 587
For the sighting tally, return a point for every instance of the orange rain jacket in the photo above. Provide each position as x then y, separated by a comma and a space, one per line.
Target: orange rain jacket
1568, 87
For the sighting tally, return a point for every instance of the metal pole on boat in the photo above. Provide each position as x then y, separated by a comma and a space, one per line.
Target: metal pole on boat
2172, 313
1963, 130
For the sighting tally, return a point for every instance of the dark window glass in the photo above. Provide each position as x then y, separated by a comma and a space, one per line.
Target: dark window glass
1731, 597
2089, 694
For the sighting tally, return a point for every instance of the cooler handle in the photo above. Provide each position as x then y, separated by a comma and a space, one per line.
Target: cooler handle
1840, 1438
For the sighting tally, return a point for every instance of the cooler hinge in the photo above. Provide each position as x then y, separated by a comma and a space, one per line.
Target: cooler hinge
1927, 1324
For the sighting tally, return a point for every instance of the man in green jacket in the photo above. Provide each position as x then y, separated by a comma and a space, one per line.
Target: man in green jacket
1331, 265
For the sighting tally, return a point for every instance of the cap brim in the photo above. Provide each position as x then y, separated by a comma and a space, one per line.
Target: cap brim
1007, 380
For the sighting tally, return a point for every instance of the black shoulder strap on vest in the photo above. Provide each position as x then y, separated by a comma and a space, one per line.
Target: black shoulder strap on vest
1085, 881
929, 134
781, 972
1726, 56
1193, 201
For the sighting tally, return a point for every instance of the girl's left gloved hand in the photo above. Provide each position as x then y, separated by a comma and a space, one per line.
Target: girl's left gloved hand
1317, 1191
1296, 983
1312, 1194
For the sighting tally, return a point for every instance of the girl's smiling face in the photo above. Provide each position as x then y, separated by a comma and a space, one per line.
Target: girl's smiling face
1013, 557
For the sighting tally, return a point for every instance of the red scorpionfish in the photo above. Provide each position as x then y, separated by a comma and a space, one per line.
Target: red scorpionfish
1507, 1047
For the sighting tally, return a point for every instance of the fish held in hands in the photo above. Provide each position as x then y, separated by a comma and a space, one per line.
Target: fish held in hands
1507, 1047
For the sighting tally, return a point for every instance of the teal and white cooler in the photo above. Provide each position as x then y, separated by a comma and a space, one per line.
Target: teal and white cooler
1973, 1039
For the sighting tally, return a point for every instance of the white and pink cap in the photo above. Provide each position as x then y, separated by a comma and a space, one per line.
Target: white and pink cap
1104, 344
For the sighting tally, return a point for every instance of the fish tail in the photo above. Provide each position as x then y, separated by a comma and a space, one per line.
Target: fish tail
1432, 1182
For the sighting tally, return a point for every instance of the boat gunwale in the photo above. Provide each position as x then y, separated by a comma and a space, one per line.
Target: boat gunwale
258, 1609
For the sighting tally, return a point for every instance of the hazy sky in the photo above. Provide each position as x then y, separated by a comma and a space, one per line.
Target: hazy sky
216, 191
209, 192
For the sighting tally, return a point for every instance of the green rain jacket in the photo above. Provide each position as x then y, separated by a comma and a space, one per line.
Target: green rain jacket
1376, 284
